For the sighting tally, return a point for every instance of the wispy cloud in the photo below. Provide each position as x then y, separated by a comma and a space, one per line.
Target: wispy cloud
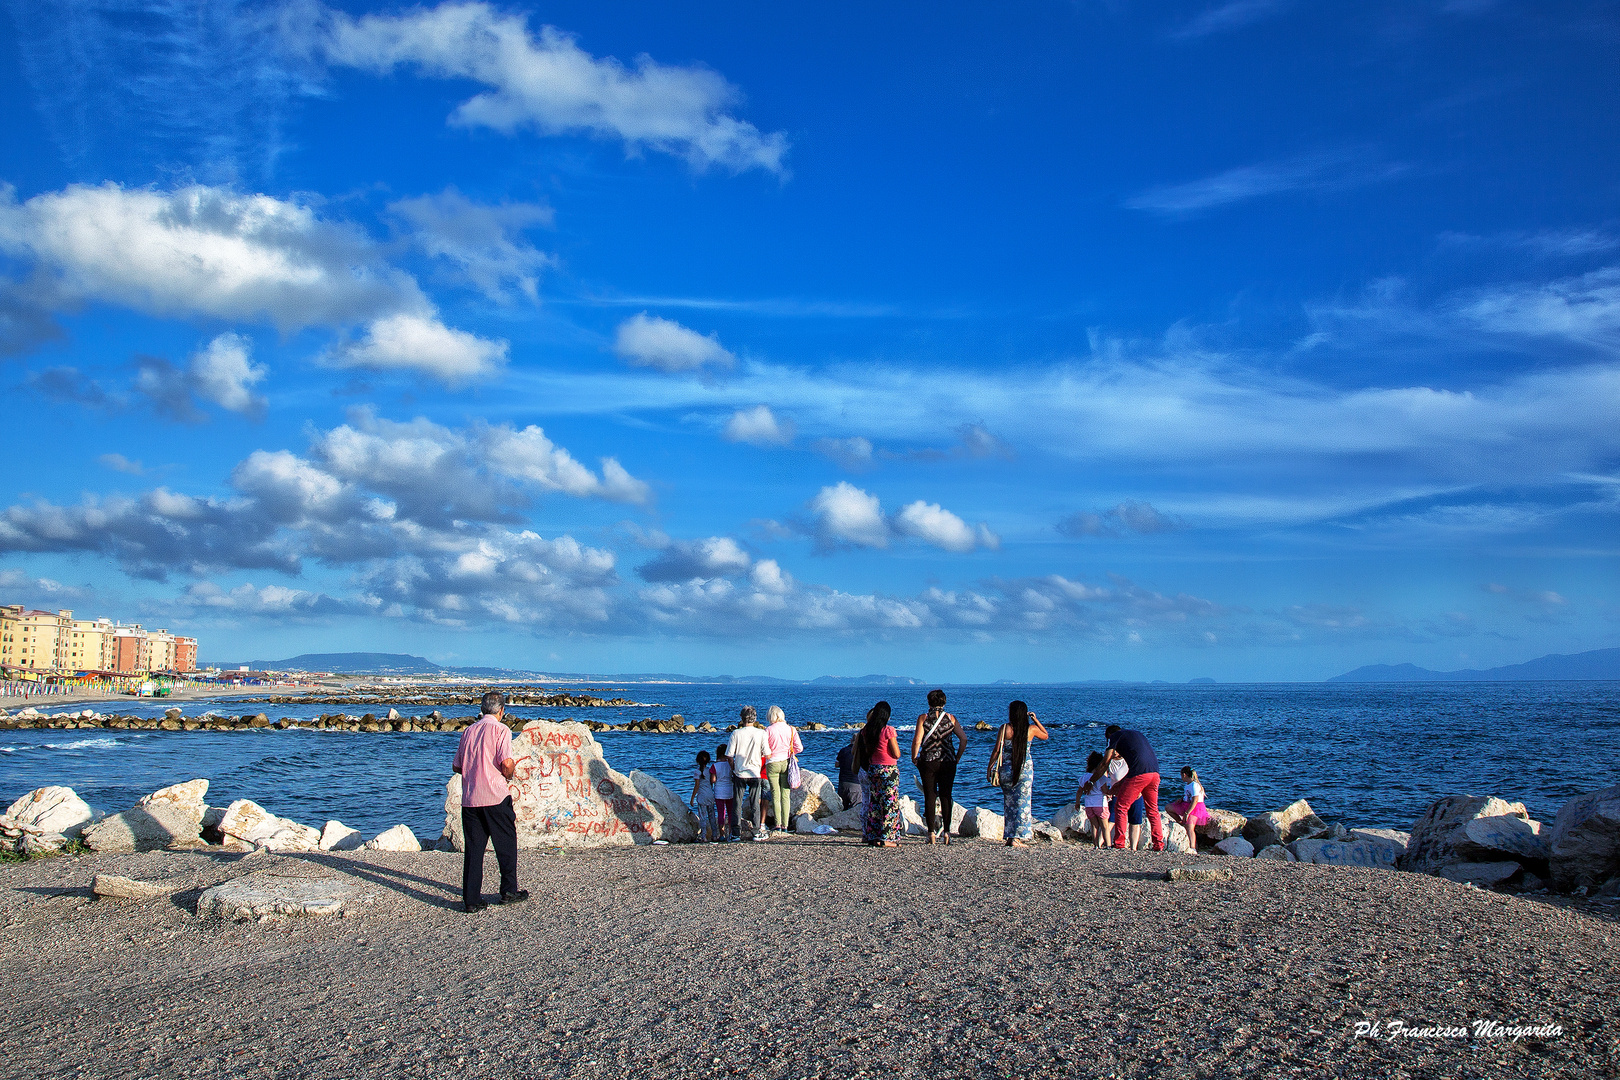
1333, 171
1230, 16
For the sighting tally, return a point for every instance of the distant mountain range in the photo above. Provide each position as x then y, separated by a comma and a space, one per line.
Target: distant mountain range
370, 663
1597, 664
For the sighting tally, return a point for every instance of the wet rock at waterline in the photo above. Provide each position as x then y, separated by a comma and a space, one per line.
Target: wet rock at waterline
1585, 842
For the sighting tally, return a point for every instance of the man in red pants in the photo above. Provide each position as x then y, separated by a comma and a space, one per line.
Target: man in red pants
1141, 781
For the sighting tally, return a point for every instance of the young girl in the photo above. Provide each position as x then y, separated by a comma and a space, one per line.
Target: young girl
703, 803
1095, 800
1190, 809
725, 798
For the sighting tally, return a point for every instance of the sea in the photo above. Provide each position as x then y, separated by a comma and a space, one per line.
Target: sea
1366, 754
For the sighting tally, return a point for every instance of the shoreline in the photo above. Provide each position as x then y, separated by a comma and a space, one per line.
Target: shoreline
802, 958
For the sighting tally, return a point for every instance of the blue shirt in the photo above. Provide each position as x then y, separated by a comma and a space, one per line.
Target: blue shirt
1133, 747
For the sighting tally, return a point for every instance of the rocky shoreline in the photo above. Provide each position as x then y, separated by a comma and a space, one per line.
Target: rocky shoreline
391, 720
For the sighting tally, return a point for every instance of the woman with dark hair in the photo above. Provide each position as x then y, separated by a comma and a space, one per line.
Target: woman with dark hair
877, 751
936, 748
1017, 773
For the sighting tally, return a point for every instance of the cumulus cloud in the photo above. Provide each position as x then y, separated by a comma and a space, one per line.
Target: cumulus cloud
549, 84
843, 514
275, 601
222, 372
481, 241
421, 343
758, 426
216, 253
717, 556
23, 588
648, 341
1128, 516
367, 490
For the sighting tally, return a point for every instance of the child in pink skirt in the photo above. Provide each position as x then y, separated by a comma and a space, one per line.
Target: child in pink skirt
1190, 809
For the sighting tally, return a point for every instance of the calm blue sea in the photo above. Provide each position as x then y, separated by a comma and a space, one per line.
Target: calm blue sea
1373, 755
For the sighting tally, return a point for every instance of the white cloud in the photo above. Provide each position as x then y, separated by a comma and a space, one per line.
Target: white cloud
204, 251
550, 84
649, 341
717, 556
424, 344
933, 524
1584, 309
224, 373
759, 427
844, 514
479, 239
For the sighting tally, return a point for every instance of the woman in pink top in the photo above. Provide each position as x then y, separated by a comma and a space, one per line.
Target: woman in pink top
781, 743
877, 750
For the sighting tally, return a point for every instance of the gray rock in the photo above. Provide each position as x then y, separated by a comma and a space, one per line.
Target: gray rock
1488, 839
1486, 875
1235, 846
1045, 830
1337, 853
1176, 841
985, 824
1434, 835
1280, 826
122, 888
1198, 873
1394, 837
337, 836
1585, 843
1071, 823
264, 894
1276, 852
845, 820
816, 795
1221, 824
150, 828
186, 798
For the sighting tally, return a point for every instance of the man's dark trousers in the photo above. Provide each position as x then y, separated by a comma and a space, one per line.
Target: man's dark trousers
481, 825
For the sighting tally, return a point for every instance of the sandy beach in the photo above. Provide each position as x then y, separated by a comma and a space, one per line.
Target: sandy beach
804, 958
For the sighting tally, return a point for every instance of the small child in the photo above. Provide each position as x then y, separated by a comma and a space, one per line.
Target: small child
1190, 809
725, 799
1096, 802
703, 803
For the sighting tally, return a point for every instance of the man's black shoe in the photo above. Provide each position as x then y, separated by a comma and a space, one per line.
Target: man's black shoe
473, 909
515, 897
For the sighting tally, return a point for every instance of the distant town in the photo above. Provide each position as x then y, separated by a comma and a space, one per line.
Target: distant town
55, 643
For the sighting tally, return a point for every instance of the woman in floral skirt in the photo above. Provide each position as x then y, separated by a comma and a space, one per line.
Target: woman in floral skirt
1017, 773
877, 751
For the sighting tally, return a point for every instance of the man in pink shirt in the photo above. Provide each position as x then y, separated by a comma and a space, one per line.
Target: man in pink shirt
484, 761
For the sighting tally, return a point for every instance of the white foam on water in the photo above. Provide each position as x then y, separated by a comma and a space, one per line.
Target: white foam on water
84, 744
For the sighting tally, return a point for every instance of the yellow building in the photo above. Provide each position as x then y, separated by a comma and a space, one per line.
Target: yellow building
90, 649
35, 640
44, 642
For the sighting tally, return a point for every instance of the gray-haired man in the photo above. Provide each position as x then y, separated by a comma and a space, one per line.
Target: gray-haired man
747, 753
484, 760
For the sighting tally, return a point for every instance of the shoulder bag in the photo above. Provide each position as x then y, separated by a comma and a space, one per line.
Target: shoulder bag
991, 774
794, 776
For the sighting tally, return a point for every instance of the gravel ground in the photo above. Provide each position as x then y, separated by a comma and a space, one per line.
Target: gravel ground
803, 958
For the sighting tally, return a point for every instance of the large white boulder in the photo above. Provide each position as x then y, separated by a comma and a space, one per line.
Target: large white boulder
1221, 824
247, 825
336, 836
914, 825
1336, 853
982, 823
566, 795
1585, 847
52, 810
806, 825
1490, 839
1072, 823
399, 838
845, 820
816, 795
1393, 837
1235, 846
186, 798
149, 828
1436, 833
1176, 841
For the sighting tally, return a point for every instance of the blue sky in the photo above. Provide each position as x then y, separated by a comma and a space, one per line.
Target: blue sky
1251, 340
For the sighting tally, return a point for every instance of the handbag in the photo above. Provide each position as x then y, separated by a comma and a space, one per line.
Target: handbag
991, 774
794, 776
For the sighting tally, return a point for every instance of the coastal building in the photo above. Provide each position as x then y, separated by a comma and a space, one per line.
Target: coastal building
43, 641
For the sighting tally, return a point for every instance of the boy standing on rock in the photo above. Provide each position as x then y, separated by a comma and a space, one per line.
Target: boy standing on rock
485, 763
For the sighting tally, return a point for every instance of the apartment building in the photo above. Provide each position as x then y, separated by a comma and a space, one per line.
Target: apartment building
43, 641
